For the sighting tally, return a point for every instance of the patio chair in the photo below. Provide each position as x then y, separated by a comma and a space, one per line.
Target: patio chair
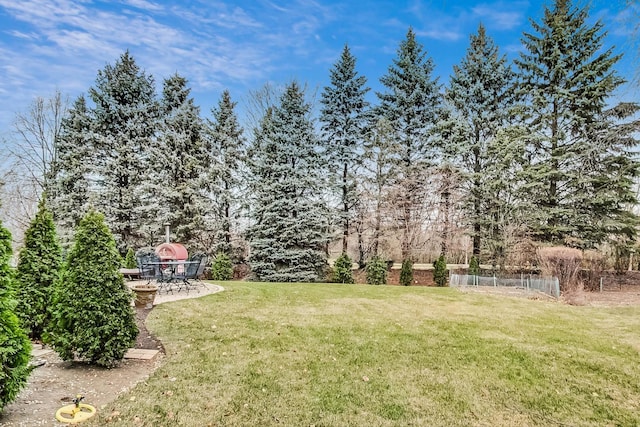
192, 272
149, 267
204, 260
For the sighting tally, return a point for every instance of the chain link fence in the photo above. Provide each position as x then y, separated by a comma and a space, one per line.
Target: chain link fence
530, 283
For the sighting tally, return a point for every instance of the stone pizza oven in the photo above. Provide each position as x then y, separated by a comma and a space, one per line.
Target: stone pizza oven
172, 251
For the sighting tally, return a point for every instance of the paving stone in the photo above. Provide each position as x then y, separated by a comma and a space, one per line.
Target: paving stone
40, 352
141, 354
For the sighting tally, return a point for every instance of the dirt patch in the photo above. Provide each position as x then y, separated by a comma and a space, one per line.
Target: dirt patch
624, 296
620, 296
55, 383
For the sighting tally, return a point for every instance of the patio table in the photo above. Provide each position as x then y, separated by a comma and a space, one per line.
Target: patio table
170, 274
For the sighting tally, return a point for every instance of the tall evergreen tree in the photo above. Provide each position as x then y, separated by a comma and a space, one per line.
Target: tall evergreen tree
480, 97
125, 121
288, 233
411, 103
14, 343
179, 161
344, 123
228, 152
38, 268
71, 196
582, 162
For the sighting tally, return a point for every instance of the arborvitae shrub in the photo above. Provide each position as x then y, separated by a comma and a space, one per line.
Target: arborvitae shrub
130, 259
222, 268
93, 319
474, 266
38, 269
376, 271
406, 273
342, 269
440, 271
15, 346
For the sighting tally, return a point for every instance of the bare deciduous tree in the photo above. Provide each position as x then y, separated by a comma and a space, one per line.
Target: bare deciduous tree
36, 132
18, 200
563, 263
29, 168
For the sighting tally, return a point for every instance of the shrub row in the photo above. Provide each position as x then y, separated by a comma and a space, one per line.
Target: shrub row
81, 307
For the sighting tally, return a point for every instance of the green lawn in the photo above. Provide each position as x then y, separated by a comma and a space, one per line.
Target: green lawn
356, 355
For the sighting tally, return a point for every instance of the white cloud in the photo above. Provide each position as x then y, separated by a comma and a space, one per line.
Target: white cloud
626, 22
21, 35
442, 34
144, 5
500, 16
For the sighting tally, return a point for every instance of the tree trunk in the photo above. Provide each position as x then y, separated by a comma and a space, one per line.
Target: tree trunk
345, 210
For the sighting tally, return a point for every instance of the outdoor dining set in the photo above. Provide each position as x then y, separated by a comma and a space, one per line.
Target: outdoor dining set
172, 275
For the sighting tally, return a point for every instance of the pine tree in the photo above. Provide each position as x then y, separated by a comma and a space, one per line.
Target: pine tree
71, 196
15, 345
376, 271
582, 161
130, 259
480, 97
92, 317
474, 266
440, 274
344, 123
228, 153
343, 269
222, 267
406, 273
124, 121
411, 103
288, 233
179, 161
39, 265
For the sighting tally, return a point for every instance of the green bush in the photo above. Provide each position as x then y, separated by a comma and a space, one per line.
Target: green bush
38, 268
15, 346
406, 273
222, 268
130, 259
376, 271
93, 319
343, 269
474, 266
440, 271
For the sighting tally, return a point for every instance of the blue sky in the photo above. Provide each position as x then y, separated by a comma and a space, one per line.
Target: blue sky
241, 45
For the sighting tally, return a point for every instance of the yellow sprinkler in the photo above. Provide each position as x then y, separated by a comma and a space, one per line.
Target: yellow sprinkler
76, 413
